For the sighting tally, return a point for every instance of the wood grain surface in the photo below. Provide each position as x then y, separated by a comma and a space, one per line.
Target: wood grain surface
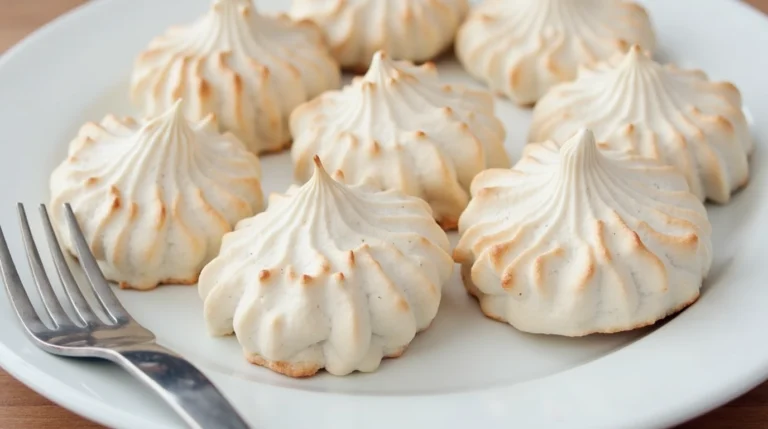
21, 408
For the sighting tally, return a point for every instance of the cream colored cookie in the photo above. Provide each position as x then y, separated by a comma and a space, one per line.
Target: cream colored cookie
676, 116
251, 70
415, 30
400, 127
329, 276
521, 48
578, 240
154, 198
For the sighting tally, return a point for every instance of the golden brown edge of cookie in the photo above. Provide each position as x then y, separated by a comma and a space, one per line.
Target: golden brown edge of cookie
445, 54
165, 282
127, 286
276, 150
301, 370
448, 223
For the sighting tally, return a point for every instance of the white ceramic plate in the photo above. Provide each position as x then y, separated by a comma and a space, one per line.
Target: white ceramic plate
465, 370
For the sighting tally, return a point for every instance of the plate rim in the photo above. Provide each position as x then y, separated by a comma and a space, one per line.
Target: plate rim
114, 416
31, 376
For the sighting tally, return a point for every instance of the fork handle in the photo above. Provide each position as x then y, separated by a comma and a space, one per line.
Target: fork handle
187, 390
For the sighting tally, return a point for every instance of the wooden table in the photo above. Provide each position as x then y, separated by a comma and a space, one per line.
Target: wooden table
21, 408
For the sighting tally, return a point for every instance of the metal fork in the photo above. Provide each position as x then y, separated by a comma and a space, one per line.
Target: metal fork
121, 339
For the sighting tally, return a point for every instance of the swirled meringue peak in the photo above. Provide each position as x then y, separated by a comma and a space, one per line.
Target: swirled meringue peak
676, 116
523, 47
415, 30
330, 276
251, 70
399, 127
577, 240
155, 198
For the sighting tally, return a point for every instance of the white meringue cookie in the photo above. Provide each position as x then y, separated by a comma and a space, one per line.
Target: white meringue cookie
154, 199
249, 69
575, 241
523, 47
676, 116
398, 127
330, 276
415, 30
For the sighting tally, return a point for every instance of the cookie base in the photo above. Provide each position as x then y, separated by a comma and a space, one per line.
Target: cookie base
472, 290
301, 369
127, 286
273, 151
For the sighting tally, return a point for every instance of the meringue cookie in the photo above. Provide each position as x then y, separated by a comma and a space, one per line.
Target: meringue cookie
676, 116
415, 30
330, 276
523, 47
155, 198
250, 70
398, 127
576, 240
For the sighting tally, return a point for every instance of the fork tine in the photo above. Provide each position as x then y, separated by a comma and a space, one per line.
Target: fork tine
101, 289
84, 313
50, 300
15, 289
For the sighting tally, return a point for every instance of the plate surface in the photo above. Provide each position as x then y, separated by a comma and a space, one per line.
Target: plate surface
465, 369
